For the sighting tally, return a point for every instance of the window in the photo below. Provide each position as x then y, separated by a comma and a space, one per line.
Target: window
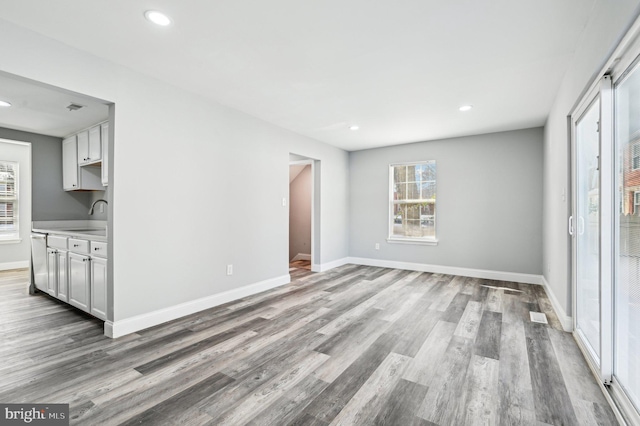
413, 202
635, 156
636, 203
8, 201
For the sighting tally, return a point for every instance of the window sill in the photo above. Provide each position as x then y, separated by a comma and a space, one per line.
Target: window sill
431, 242
11, 241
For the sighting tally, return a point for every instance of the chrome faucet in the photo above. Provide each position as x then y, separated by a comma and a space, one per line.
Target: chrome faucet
94, 204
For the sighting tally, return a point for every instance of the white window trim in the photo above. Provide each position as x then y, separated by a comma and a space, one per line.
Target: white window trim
14, 237
425, 241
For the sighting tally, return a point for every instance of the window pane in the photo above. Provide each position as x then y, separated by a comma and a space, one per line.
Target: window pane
8, 199
413, 200
627, 284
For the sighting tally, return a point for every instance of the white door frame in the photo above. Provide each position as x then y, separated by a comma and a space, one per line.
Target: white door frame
315, 262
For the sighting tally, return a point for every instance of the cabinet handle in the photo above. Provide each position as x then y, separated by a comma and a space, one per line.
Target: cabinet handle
86, 260
96, 249
76, 245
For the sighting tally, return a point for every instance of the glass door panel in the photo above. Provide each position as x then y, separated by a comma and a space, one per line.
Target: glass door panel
587, 229
627, 283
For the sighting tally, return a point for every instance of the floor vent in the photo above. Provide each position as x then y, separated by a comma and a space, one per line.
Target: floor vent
538, 317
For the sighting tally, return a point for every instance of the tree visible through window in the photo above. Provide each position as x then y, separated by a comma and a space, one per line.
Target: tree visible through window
413, 201
8, 200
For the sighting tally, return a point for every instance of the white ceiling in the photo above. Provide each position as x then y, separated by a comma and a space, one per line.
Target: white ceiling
43, 109
399, 69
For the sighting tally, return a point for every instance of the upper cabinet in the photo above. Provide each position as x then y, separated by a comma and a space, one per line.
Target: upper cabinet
70, 164
89, 146
104, 130
84, 160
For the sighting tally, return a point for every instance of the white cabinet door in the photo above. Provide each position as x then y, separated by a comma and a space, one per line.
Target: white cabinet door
89, 146
63, 284
70, 164
95, 146
99, 288
83, 147
79, 281
105, 153
52, 271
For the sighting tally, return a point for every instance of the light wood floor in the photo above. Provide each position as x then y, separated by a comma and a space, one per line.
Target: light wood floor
300, 264
354, 345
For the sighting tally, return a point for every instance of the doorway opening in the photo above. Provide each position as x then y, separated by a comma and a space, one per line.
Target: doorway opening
302, 224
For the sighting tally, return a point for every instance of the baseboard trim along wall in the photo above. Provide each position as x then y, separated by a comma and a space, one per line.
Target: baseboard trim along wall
126, 326
450, 270
14, 265
565, 320
330, 265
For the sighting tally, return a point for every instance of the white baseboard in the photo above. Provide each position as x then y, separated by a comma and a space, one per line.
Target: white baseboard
301, 256
450, 270
565, 320
126, 326
330, 265
14, 265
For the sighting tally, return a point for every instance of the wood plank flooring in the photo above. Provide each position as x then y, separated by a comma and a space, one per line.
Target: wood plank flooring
354, 345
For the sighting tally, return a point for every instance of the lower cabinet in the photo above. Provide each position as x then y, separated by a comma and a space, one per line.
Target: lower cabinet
52, 271
63, 283
77, 273
99, 287
79, 281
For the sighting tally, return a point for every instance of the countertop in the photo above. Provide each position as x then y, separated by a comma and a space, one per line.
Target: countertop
95, 230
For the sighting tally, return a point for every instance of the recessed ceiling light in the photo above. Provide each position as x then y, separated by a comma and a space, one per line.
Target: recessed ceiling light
5, 104
465, 107
354, 127
157, 18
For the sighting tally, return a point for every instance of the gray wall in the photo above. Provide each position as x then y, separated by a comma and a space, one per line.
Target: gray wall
489, 202
300, 214
50, 201
16, 254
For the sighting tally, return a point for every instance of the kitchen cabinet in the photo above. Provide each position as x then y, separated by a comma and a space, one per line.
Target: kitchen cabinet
99, 287
77, 272
104, 130
70, 164
79, 281
52, 272
63, 284
89, 146
74, 176
57, 273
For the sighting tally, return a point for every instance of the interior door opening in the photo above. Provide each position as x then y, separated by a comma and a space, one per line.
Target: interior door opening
300, 206
304, 204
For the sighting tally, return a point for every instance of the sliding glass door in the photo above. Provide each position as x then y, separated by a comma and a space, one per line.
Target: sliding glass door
605, 225
627, 277
586, 227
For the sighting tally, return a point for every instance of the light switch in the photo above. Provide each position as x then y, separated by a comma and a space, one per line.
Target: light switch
284, 202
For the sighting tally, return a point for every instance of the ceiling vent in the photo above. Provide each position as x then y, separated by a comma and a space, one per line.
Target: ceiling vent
74, 107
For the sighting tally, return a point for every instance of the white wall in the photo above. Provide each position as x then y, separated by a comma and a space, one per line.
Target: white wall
489, 202
17, 254
608, 24
194, 186
300, 213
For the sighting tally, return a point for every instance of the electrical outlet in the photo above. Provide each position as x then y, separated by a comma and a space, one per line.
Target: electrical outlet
101, 207
377, 246
229, 269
